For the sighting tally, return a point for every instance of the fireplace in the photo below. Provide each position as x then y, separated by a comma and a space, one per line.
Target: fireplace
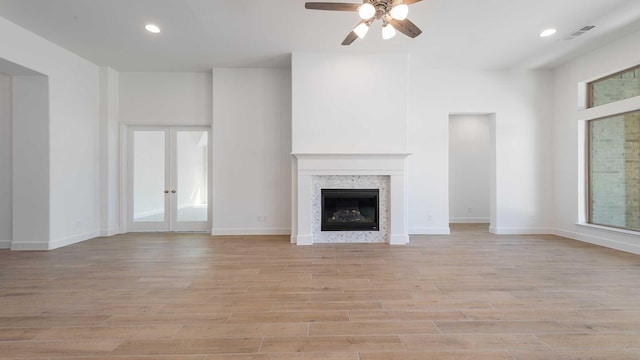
315, 172
350, 210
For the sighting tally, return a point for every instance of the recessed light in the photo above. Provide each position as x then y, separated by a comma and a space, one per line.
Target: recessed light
547, 32
152, 28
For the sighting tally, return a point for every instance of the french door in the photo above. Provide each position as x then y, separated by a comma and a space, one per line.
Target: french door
168, 179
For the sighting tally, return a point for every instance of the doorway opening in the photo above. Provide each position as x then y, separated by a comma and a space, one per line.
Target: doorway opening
168, 179
471, 172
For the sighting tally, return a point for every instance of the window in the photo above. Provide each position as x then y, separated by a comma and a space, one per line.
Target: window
614, 171
619, 86
613, 154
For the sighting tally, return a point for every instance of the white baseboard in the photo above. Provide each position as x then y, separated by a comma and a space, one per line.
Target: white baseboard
398, 239
5, 244
37, 246
596, 240
29, 246
73, 240
430, 231
302, 239
519, 231
470, 220
265, 231
109, 232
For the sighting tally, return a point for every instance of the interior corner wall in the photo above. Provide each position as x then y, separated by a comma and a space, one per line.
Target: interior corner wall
6, 161
251, 151
469, 168
566, 160
521, 102
109, 152
73, 174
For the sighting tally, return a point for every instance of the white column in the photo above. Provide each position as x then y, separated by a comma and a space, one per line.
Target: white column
31, 180
304, 235
399, 218
109, 156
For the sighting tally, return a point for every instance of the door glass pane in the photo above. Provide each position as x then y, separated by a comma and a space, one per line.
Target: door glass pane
192, 160
148, 176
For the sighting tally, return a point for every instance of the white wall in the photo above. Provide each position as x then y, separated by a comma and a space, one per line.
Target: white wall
75, 154
74, 177
520, 101
6, 162
469, 168
31, 134
325, 99
567, 161
251, 151
349, 103
165, 98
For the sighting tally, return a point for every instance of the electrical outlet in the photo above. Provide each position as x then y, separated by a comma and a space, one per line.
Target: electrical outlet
469, 210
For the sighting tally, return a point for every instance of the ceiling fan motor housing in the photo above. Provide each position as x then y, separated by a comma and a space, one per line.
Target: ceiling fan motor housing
383, 7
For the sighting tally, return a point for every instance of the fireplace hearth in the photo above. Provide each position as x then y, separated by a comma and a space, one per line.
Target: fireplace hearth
350, 210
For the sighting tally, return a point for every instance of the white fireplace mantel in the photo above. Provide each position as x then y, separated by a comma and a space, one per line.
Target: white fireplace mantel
342, 164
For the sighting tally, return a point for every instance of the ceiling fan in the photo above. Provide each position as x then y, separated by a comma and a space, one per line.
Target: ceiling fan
393, 14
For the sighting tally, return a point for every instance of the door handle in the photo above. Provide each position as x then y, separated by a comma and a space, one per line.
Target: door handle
166, 191
173, 191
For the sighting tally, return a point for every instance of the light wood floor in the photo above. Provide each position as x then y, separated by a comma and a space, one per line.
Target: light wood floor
471, 295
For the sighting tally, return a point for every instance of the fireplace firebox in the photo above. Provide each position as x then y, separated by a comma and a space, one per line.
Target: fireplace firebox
350, 210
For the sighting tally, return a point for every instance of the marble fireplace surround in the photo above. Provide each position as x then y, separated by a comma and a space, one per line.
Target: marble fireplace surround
345, 171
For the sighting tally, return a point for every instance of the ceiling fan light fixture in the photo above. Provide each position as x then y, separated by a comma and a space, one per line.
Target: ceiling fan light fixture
387, 11
388, 31
361, 30
366, 11
399, 11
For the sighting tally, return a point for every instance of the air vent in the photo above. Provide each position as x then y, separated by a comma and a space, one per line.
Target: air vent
579, 32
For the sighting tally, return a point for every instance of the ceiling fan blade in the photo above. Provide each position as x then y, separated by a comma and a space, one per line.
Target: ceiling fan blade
351, 37
409, 2
406, 27
331, 6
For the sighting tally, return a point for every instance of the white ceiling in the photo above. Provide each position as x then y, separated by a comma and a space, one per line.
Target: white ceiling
200, 34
